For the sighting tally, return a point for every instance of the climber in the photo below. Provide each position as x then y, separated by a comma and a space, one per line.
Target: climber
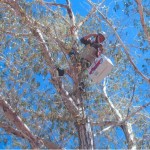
93, 49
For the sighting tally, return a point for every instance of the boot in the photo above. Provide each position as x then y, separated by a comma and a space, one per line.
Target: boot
61, 72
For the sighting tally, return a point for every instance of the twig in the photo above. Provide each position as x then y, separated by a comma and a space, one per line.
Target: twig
94, 9
131, 100
55, 4
54, 13
135, 112
17, 34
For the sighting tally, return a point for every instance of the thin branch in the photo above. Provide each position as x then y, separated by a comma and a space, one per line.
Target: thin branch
121, 123
55, 4
131, 100
17, 34
104, 123
20, 134
104, 130
56, 14
70, 13
126, 126
123, 45
116, 112
93, 11
140, 9
135, 112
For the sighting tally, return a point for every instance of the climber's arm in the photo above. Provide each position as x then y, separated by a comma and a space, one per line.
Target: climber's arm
85, 40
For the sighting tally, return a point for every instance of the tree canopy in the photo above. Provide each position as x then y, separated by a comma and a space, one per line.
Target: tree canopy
38, 109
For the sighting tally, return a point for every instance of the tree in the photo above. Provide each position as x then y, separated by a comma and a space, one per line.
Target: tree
40, 109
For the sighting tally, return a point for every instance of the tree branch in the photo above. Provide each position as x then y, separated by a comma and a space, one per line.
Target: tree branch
55, 4
123, 45
104, 130
116, 112
94, 9
135, 112
105, 123
20, 134
140, 9
70, 13
131, 100
54, 13
15, 119
68, 101
126, 126
11, 130
16, 34
69, 10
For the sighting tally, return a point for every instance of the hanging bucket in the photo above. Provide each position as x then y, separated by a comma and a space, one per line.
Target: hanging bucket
100, 68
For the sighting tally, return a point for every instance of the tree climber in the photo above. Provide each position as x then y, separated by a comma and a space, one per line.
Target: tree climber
93, 49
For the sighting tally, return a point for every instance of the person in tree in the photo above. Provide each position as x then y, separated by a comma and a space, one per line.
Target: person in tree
93, 49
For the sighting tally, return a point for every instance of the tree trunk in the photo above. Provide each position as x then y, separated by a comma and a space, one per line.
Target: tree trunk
85, 134
127, 128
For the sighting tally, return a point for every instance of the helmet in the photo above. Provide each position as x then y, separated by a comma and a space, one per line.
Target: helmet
102, 33
101, 36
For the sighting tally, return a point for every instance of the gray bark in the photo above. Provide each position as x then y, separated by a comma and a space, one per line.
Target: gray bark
127, 129
85, 134
126, 126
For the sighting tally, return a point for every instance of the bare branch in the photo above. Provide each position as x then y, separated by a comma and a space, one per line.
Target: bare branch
104, 130
131, 100
126, 126
11, 130
105, 123
140, 9
20, 134
17, 34
55, 4
56, 14
123, 45
135, 112
70, 13
15, 119
116, 112
93, 11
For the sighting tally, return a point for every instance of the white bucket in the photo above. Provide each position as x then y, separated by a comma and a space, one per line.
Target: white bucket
100, 68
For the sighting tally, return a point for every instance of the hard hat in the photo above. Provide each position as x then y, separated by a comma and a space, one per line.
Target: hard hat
101, 36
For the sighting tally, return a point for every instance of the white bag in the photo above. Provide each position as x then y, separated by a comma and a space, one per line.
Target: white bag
100, 68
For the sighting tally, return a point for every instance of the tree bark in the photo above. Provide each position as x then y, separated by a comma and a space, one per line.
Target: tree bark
85, 134
126, 126
127, 129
